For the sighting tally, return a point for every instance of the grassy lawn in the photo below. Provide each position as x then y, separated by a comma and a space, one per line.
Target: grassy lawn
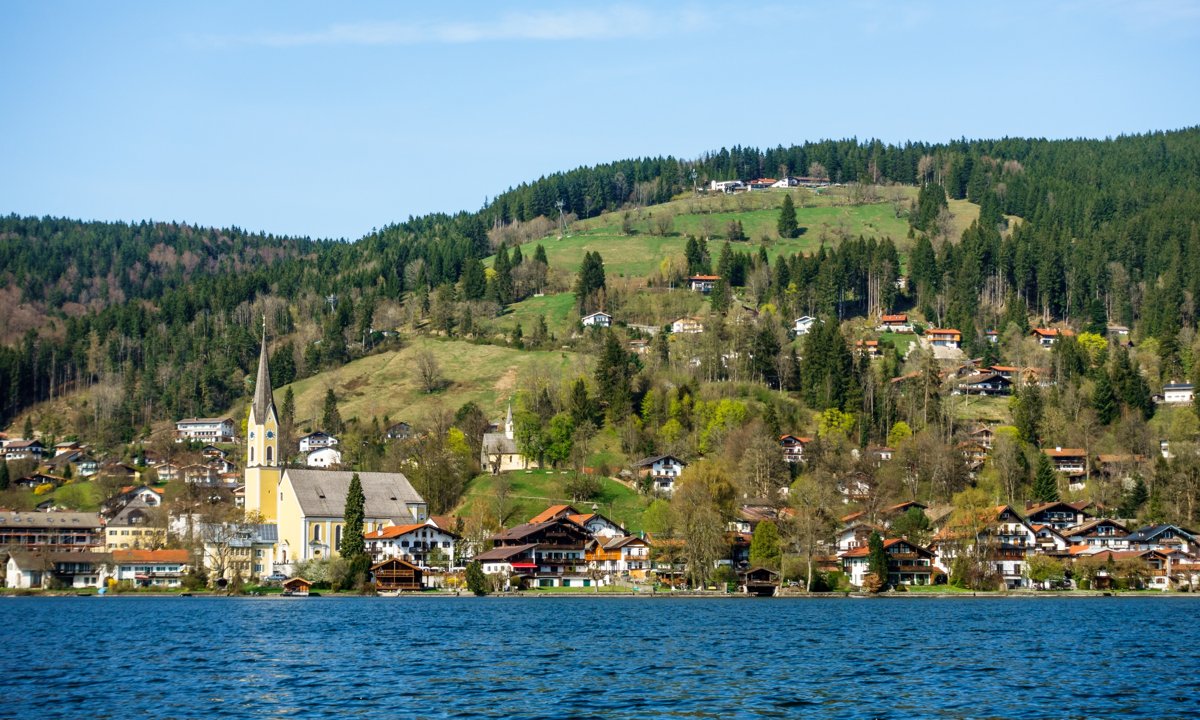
558, 309
940, 589
901, 341
388, 383
533, 491
990, 409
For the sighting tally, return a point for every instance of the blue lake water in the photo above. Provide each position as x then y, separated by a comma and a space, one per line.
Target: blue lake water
127, 657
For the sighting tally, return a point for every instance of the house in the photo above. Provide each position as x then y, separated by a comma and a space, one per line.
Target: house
625, 555
1002, 536
168, 471
1071, 462
399, 431
297, 587
197, 474
703, 283
803, 324
151, 568
67, 446
943, 337
324, 458
688, 325
53, 569
896, 323
1177, 393
880, 453
239, 549
37, 480
870, 347
397, 575
1163, 537
639, 347
423, 544
149, 496
760, 581
597, 319
554, 552
1050, 541
726, 186
51, 531
983, 435
1058, 515
992, 336
793, 447
116, 470
1097, 533
312, 506
990, 384
211, 430
316, 441
762, 183
130, 520
23, 450
856, 534
499, 452
908, 563
663, 471
1046, 337
212, 452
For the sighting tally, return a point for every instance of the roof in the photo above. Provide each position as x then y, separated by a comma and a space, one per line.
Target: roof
552, 512
322, 493
1031, 511
150, 556
705, 277
596, 314
504, 553
205, 421
395, 531
646, 462
897, 318
499, 444
39, 558
1053, 332
18, 444
524, 530
264, 401
1086, 527
1177, 386
942, 331
802, 440
864, 550
50, 519
1066, 452
1152, 531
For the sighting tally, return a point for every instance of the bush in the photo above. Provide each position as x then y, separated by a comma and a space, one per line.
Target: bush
724, 575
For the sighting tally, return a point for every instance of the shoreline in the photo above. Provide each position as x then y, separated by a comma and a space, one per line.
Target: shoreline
977, 595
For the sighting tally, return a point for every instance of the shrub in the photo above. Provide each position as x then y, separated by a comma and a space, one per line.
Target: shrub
477, 582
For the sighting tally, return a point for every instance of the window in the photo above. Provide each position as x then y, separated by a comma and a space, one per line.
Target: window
269, 454
316, 533
251, 450
337, 537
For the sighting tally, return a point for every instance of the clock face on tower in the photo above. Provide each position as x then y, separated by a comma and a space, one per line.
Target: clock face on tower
270, 434
251, 434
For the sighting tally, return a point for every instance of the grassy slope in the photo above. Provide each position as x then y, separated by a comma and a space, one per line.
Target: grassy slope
387, 384
822, 217
558, 309
533, 491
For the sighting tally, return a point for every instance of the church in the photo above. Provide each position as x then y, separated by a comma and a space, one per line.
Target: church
308, 505
499, 452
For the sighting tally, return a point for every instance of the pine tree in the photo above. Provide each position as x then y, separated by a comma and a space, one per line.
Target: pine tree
1134, 498
474, 280
719, 297
539, 255
877, 563
331, 419
788, 228
4, 477
581, 408
477, 582
353, 543
1045, 482
614, 372
28, 432
1104, 400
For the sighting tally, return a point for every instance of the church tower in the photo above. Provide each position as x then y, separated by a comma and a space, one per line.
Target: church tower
262, 443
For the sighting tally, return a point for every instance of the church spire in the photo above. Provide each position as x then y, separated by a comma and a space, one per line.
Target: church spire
264, 400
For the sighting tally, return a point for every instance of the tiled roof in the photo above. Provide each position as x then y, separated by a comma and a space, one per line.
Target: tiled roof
552, 512
150, 556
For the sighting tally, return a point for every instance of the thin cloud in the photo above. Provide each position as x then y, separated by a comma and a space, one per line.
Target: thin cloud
606, 24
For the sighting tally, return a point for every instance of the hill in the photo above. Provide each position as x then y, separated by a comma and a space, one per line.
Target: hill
519, 496
388, 383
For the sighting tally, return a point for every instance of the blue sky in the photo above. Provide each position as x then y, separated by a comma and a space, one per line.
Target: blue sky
329, 119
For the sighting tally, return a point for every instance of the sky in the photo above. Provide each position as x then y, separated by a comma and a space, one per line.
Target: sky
330, 119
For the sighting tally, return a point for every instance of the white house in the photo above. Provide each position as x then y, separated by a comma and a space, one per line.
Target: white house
663, 470
793, 447
943, 337
323, 458
73, 569
213, 430
897, 323
803, 325
150, 568
418, 543
316, 441
703, 283
726, 186
1177, 393
23, 450
597, 319
689, 325
1008, 537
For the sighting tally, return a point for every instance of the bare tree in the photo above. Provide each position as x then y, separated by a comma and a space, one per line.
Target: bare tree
428, 370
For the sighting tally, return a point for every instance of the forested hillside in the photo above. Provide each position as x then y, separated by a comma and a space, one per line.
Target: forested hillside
163, 318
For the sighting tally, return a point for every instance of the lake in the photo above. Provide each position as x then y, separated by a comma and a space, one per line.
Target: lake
577, 657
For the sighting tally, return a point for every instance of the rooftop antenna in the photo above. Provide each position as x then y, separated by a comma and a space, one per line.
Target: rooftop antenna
562, 227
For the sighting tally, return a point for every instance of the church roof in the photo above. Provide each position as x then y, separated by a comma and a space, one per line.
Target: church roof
322, 493
264, 401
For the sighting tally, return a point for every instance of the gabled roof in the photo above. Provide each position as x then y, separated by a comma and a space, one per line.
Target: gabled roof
552, 512
864, 551
705, 277
1031, 511
1152, 531
647, 462
322, 493
801, 440
1086, 527
1065, 452
942, 331
897, 318
1053, 332
505, 552
395, 531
